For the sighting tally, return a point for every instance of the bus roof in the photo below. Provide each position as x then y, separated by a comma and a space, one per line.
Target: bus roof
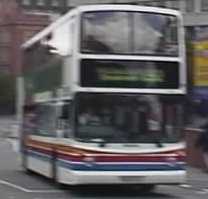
99, 7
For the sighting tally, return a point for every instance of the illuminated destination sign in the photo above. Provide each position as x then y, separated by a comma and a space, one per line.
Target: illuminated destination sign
132, 75
129, 74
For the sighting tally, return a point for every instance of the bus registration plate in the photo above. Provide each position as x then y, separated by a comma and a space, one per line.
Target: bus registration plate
132, 178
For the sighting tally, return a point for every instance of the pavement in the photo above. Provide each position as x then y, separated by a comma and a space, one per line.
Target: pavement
9, 127
196, 179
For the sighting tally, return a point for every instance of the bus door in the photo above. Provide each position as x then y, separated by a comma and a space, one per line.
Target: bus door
64, 119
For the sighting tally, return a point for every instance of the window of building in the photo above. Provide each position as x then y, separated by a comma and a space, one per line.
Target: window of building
190, 5
40, 2
26, 2
148, 3
204, 5
174, 4
4, 55
4, 68
145, 3
55, 3
74, 3
154, 3
28, 34
68, 3
5, 37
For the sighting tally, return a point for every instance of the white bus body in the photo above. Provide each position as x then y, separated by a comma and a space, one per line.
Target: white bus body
136, 93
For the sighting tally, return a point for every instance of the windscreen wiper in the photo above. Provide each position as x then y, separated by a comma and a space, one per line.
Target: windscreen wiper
101, 142
158, 142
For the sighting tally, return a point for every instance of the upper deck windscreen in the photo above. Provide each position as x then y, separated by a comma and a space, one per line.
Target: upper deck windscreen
124, 32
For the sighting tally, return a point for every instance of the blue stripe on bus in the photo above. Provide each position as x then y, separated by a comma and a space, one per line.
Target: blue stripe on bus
39, 155
121, 167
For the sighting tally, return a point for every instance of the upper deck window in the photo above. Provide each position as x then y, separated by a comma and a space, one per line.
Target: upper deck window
120, 32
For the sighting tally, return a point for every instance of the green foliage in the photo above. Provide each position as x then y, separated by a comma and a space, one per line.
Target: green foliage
7, 92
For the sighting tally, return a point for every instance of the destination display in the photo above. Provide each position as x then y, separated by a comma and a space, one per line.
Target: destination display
129, 74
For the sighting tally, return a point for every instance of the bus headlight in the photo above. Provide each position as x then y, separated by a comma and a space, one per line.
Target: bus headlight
89, 161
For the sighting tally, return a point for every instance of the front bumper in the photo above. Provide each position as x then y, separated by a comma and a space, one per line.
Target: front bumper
71, 177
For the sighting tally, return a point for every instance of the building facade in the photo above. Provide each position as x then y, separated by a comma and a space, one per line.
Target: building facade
195, 11
16, 26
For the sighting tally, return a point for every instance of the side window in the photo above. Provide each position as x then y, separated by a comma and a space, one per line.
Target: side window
173, 114
172, 118
29, 120
40, 62
45, 120
65, 120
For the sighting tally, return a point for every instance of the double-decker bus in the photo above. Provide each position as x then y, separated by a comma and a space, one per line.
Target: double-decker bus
104, 90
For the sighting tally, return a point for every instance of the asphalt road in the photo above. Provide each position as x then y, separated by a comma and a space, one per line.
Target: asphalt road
16, 184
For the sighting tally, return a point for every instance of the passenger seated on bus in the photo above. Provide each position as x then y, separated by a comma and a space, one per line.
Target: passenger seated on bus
30, 117
88, 117
106, 116
92, 44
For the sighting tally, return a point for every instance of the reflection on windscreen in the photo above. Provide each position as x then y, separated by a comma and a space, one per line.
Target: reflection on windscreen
124, 119
129, 33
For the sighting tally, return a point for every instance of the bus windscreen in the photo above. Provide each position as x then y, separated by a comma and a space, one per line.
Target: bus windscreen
127, 119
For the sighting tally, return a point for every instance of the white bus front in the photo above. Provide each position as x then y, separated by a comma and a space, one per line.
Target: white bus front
128, 110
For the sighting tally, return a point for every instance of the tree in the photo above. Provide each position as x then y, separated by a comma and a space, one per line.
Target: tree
7, 93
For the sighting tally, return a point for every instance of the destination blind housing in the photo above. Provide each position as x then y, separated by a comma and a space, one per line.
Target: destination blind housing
129, 74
